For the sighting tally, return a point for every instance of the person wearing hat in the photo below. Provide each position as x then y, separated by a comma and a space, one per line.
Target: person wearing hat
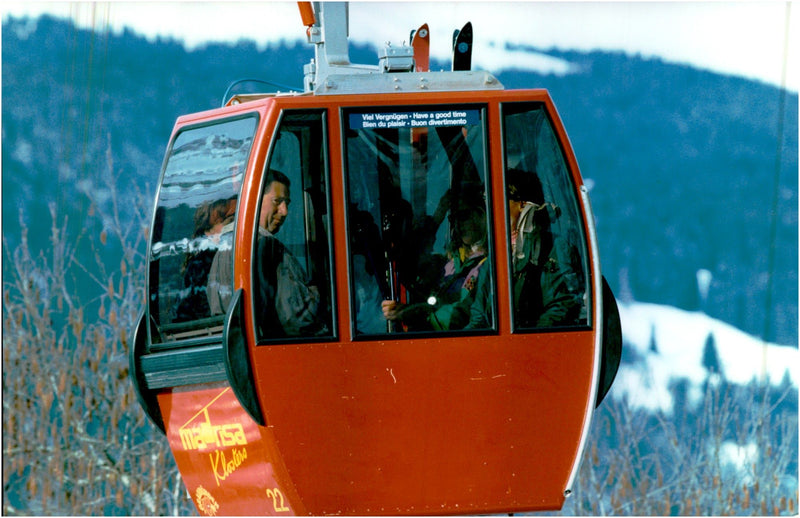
540, 291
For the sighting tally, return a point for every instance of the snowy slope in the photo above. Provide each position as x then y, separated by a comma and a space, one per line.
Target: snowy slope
666, 345
499, 59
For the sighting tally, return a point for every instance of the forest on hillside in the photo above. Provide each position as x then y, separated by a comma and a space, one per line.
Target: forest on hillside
690, 170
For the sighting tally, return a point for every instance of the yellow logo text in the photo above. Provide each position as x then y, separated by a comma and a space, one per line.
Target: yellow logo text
223, 465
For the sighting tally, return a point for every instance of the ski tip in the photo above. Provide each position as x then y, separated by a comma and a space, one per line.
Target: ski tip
466, 31
421, 45
462, 34
419, 34
462, 48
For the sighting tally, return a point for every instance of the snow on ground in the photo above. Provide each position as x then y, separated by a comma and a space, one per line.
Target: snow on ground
739, 457
668, 345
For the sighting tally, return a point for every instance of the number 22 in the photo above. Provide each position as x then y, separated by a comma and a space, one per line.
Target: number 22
276, 495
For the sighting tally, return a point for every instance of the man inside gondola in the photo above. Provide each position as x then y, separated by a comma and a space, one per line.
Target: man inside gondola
287, 304
540, 280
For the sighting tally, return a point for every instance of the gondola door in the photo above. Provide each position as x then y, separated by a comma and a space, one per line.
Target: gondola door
189, 361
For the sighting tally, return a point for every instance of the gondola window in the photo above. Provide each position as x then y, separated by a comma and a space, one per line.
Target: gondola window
549, 262
194, 220
292, 286
418, 219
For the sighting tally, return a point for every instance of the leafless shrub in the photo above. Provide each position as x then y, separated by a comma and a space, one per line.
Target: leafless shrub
735, 454
75, 440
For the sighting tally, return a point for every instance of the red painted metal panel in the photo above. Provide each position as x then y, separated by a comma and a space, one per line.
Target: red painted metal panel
489, 424
228, 462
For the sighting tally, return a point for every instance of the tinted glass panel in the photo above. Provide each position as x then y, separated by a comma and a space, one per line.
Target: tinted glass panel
549, 280
292, 267
418, 219
195, 213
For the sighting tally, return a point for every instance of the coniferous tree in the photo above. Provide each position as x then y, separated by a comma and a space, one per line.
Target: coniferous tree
710, 355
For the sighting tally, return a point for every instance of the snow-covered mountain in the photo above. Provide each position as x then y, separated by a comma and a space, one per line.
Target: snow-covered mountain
498, 59
664, 344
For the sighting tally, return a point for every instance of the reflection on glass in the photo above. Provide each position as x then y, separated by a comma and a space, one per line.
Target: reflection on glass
417, 219
195, 214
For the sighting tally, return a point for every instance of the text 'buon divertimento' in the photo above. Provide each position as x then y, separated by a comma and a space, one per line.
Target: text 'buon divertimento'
413, 119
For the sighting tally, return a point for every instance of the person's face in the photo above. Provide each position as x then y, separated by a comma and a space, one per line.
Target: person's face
274, 207
471, 227
514, 209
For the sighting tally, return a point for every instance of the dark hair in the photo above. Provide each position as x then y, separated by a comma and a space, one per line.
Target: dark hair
524, 186
208, 214
273, 175
462, 213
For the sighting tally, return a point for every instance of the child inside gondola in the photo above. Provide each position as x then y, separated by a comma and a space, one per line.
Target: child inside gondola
448, 305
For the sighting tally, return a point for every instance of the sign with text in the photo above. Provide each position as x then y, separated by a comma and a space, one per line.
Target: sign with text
414, 119
222, 454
